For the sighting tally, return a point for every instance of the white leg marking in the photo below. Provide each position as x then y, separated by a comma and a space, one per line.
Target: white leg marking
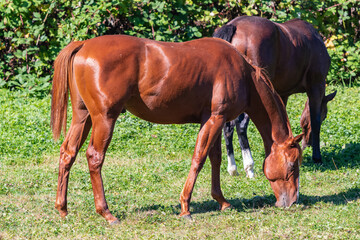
232, 169
248, 163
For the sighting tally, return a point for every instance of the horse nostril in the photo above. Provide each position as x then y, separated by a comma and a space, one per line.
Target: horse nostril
282, 201
286, 203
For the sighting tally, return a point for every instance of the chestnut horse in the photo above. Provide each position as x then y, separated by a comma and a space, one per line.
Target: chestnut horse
296, 60
203, 81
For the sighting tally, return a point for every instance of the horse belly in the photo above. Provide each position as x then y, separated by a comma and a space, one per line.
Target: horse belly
291, 71
185, 109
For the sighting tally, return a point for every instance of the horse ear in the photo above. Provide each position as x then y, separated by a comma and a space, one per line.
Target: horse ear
330, 96
298, 138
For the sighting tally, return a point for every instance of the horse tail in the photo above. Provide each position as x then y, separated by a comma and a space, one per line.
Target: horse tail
225, 32
62, 76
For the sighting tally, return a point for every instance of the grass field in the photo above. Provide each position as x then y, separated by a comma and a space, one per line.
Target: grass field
146, 167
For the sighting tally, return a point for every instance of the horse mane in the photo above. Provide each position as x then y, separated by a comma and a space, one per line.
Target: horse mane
260, 75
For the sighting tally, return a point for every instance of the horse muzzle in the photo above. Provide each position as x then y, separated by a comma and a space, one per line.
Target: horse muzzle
286, 201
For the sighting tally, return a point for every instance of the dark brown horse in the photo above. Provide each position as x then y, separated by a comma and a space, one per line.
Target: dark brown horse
204, 81
296, 60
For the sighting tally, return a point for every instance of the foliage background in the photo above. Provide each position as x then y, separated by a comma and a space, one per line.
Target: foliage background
32, 32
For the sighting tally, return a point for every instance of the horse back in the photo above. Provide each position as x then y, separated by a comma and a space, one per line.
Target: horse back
158, 81
199, 73
306, 38
289, 51
265, 45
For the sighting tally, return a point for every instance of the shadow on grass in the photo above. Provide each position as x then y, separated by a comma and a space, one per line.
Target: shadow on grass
239, 205
336, 156
341, 198
257, 202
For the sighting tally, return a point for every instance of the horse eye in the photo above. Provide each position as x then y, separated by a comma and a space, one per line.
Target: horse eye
291, 166
293, 145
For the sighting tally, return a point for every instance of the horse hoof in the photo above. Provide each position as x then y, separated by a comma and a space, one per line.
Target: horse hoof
233, 171
187, 217
63, 214
250, 174
225, 206
114, 222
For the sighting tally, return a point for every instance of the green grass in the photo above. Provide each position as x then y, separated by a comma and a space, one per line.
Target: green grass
146, 167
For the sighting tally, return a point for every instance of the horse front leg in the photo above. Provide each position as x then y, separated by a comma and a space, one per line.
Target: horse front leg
228, 136
99, 141
75, 138
215, 159
207, 136
242, 123
315, 100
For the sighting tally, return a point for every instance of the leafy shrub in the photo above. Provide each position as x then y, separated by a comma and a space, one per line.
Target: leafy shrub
32, 32
345, 62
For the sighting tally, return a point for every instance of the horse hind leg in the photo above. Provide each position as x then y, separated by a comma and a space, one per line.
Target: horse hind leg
215, 159
228, 136
315, 121
315, 93
241, 127
77, 134
101, 135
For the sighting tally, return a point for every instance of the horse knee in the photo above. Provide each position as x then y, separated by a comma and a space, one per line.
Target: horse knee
184, 198
229, 129
196, 167
95, 159
67, 157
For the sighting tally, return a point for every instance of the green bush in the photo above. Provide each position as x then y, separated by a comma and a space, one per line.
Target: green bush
32, 32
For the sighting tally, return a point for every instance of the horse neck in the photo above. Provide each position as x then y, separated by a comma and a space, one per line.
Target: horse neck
268, 112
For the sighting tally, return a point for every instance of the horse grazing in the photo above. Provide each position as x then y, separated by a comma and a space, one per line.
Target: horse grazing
203, 81
296, 60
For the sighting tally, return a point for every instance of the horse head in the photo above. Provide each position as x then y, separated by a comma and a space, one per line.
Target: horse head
282, 168
305, 121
